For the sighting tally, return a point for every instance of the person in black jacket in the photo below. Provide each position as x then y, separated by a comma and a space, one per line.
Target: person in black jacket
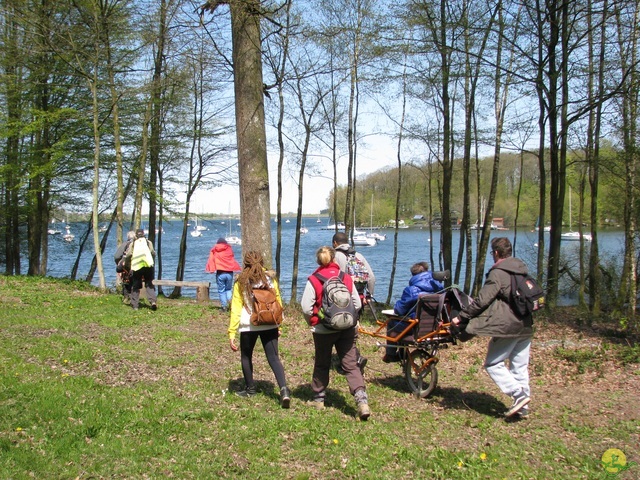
490, 315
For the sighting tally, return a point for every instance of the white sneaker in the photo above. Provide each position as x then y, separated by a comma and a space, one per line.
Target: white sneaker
519, 401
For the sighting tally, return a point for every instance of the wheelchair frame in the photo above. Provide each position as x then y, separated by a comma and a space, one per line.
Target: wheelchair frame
418, 351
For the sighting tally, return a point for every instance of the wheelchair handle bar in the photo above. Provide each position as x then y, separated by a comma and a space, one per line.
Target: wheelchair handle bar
442, 276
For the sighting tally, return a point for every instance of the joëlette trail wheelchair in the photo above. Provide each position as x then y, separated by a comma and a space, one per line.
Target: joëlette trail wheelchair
419, 339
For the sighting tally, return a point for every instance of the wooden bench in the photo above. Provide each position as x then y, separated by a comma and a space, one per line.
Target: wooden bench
202, 288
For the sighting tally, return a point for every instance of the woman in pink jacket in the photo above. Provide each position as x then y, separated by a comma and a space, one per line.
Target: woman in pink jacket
223, 264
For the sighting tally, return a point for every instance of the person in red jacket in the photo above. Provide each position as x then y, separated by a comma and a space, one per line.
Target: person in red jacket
325, 338
223, 264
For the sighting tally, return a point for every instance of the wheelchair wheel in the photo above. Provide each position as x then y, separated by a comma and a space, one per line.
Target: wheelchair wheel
421, 373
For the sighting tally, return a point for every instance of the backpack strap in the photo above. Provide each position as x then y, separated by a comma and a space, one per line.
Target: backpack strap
320, 277
323, 279
512, 277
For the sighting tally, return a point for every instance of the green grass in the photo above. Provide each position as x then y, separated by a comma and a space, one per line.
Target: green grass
90, 389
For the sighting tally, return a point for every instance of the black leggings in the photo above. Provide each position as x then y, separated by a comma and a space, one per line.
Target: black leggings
269, 339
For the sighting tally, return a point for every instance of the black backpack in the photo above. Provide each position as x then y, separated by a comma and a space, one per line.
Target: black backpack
526, 295
337, 311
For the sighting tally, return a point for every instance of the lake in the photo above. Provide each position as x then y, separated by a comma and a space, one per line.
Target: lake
413, 246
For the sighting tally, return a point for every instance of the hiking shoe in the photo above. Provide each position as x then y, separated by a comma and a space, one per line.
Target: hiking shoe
519, 401
523, 413
362, 362
364, 412
154, 307
285, 397
246, 393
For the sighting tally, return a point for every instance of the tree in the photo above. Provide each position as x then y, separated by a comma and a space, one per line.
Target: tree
12, 67
276, 56
309, 93
627, 38
473, 68
434, 18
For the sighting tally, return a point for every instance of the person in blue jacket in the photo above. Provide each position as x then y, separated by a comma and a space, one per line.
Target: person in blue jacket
421, 282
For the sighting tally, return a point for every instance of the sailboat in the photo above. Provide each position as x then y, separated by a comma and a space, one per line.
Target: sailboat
68, 237
360, 238
232, 239
53, 230
571, 235
196, 232
200, 227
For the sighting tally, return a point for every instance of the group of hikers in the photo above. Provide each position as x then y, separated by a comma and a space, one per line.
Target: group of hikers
333, 298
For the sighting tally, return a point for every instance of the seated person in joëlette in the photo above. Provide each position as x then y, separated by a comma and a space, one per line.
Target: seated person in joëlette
421, 282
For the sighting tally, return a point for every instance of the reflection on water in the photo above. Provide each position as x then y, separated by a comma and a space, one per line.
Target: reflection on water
414, 245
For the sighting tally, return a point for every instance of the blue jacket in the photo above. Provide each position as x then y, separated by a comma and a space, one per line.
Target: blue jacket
421, 283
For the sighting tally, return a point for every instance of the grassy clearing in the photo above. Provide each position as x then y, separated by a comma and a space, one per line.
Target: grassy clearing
90, 389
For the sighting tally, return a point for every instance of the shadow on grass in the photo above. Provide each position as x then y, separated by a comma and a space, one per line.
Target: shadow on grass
453, 398
449, 398
395, 382
338, 399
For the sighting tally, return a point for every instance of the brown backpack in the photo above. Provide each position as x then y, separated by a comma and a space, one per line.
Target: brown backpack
266, 308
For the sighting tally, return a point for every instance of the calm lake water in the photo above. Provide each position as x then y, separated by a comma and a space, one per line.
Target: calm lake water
413, 245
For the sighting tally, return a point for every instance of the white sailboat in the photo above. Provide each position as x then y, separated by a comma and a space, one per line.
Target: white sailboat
571, 235
195, 232
68, 236
199, 226
232, 239
53, 230
362, 240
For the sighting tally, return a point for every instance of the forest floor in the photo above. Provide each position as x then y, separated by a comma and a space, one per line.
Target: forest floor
585, 382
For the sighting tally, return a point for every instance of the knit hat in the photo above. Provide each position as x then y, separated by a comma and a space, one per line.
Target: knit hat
221, 240
139, 233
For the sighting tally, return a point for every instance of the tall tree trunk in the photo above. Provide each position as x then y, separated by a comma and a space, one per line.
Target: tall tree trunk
141, 167
557, 142
13, 105
280, 73
542, 129
472, 77
157, 112
628, 57
250, 128
593, 161
399, 189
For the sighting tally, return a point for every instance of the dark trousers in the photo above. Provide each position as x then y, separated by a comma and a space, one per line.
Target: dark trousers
269, 339
345, 343
146, 275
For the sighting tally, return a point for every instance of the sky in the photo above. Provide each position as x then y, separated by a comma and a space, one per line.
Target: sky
378, 152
